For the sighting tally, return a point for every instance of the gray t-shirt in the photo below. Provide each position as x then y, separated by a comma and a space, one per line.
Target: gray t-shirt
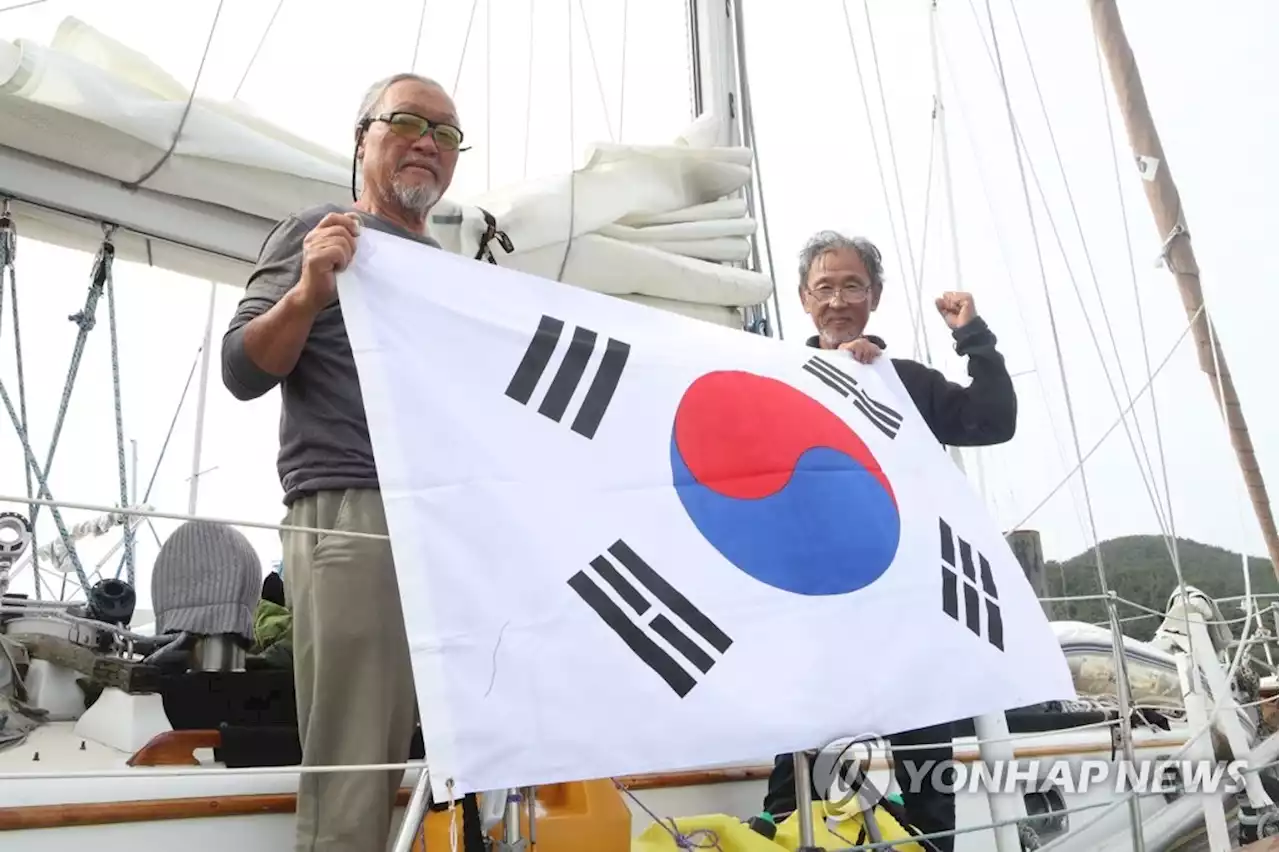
324, 439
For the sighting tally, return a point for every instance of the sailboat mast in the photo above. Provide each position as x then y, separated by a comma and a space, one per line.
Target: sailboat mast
1166, 207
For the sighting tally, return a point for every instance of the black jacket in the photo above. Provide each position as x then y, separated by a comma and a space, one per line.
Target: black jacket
982, 414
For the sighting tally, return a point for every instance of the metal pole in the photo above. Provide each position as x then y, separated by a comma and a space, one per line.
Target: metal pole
511, 840
804, 802
414, 813
1215, 818
714, 38
200, 401
133, 461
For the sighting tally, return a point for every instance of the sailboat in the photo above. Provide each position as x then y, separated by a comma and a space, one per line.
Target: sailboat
670, 226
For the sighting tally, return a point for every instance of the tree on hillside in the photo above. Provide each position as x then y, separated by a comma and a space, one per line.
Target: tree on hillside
1139, 569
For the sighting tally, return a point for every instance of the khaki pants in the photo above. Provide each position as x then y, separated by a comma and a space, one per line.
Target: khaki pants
351, 667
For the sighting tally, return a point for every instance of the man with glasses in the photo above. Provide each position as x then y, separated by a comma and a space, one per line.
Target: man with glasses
841, 283
353, 679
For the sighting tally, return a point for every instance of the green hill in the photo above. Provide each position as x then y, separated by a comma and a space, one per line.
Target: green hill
1139, 569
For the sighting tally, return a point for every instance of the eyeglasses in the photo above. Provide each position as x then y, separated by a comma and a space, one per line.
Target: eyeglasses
410, 126
852, 295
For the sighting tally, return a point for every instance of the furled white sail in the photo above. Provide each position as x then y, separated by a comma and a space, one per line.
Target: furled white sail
84, 119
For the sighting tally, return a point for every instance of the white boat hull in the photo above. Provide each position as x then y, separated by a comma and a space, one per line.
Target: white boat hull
145, 810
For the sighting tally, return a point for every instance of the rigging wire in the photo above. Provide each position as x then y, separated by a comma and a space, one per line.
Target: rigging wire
466, 42
924, 222
417, 42
573, 147
1097, 287
1053, 326
591, 51
128, 556
164, 446
488, 95
1142, 328
749, 140
884, 187
22, 5
84, 319
1122, 673
186, 111
1020, 148
897, 175
8, 253
528, 98
622, 75
1142, 391
1003, 248
692, 62
263, 40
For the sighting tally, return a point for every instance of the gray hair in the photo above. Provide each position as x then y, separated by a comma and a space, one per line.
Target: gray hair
828, 241
373, 95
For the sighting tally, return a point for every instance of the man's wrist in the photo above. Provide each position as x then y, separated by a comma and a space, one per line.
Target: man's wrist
299, 300
974, 333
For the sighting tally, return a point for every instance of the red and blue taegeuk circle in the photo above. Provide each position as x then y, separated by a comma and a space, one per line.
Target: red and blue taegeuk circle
781, 486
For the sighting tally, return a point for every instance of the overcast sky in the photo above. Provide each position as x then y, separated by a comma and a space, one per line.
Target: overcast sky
1211, 78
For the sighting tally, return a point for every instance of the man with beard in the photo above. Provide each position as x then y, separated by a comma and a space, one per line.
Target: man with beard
841, 282
353, 680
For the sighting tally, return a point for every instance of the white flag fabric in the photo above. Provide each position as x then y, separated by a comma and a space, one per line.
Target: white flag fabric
629, 541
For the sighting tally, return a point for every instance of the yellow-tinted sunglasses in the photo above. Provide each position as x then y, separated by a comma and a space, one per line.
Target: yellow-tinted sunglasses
410, 126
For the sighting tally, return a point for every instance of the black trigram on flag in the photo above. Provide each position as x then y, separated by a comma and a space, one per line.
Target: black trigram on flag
637, 632
568, 376
881, 416
963, 576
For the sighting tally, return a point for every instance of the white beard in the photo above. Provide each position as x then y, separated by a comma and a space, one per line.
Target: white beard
416, 198
834, 340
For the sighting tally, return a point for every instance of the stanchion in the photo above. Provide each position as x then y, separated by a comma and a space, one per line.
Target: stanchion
414, 813
512, 839
804, 802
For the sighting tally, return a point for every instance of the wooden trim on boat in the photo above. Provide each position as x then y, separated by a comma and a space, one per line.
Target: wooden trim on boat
734, 774
32, 817
1267, 844
175, 748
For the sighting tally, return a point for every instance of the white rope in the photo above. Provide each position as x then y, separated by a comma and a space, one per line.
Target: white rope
210, 771
219, 771
183, 516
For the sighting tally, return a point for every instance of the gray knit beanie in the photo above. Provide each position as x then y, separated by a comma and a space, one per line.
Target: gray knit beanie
206, 580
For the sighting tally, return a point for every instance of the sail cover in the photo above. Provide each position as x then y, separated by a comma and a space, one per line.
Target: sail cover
85, 120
